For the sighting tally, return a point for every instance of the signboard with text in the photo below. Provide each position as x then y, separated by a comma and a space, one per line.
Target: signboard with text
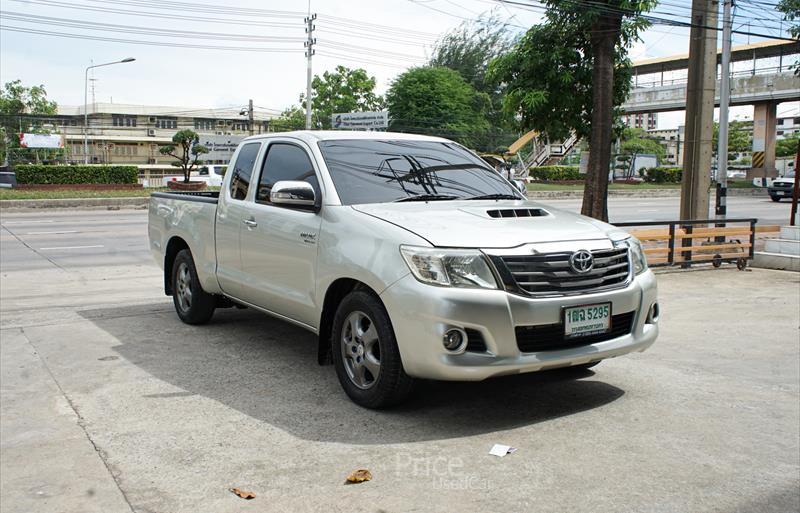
360, 120
220, 147
40, 141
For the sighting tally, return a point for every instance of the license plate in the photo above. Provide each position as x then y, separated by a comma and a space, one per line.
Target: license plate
582, 321
780, 193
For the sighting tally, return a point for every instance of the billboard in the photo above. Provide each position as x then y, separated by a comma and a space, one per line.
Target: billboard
220, 147
40, 141
360, 120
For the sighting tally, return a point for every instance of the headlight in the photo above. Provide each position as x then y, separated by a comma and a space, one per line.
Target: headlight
637, 253
449, 267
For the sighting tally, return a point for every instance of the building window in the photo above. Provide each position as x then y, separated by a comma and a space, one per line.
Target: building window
120, 120
204, 124
167, 123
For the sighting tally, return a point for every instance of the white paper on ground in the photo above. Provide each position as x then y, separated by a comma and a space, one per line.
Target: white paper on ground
501, 450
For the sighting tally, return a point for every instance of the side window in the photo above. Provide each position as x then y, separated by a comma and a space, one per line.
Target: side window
243, 170
285, 162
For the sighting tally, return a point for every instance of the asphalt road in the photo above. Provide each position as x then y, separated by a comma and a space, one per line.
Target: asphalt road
110, 404
96, 237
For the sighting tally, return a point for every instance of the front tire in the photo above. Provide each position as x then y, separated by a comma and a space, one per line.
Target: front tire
365, 353
192, 303
776, 199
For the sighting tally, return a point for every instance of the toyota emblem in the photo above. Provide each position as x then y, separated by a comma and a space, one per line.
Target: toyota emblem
581, 261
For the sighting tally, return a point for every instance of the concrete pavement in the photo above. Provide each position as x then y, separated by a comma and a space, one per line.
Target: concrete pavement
110, 404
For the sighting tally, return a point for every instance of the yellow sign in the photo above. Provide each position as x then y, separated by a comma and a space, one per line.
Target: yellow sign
758, 159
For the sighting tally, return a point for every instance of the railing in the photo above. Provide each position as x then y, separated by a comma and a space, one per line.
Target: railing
637, 82
550, 150
680, 242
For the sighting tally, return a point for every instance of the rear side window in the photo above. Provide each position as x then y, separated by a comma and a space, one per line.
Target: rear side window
285, 162
243, 170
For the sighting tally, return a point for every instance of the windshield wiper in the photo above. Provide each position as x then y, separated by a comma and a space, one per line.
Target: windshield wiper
427, 197
494, 197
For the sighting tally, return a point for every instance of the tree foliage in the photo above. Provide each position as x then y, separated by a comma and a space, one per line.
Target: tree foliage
292, 118
571, 73
791, 12
634, 142
343, 90
17, 101
787, 147
468, 50
186, 151
740, 136
437, 101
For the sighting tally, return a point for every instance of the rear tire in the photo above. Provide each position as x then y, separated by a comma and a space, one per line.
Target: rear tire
192, 303
365, 353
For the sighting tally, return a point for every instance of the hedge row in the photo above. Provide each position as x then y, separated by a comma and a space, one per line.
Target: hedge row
556, 173
662, 174
45, 174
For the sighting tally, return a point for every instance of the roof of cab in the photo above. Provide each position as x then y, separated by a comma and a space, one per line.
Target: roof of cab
330, 135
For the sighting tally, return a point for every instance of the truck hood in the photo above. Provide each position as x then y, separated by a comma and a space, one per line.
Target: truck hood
487, 224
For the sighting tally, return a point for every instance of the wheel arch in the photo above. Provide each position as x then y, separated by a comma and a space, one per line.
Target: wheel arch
174, 246
336, 291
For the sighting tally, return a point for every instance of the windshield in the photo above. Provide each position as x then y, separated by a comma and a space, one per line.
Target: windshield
381, 171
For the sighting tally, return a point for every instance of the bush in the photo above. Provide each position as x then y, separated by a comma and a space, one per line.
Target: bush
662, 174
556, 173
45, 174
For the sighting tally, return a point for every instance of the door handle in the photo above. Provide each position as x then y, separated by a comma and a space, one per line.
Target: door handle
250, 223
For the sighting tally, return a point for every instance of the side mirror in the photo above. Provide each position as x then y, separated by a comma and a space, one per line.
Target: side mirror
293, 193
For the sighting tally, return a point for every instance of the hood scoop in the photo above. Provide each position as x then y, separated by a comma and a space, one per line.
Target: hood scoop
517, 212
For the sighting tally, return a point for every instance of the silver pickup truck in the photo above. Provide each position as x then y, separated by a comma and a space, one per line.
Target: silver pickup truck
409, 258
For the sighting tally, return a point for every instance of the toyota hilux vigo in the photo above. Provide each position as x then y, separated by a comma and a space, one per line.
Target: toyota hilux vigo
409, 258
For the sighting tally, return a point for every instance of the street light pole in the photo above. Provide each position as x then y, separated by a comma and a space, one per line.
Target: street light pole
86, 104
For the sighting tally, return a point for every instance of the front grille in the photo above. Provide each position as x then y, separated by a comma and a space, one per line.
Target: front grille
550, 337
550, 273
475, 342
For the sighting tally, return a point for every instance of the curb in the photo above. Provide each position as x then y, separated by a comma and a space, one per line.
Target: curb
82, 203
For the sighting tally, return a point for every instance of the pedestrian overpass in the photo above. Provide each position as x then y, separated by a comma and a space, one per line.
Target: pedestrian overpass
762, 75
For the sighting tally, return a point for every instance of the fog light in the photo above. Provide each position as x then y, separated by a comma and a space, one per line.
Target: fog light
454, 340
652, 315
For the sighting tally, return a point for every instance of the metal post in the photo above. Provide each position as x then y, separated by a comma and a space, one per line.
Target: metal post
86, 100
724, 101
309, 44
796, 188
250, 117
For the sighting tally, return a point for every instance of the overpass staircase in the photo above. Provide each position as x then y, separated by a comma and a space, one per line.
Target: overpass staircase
550, 154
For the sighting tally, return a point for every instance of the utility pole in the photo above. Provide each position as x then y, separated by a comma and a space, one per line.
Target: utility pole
250, 117
309, 44
724, 101
700, 90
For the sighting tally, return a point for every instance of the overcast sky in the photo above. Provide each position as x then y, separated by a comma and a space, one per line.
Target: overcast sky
383, 36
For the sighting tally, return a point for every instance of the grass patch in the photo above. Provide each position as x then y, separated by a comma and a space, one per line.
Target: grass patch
19, 194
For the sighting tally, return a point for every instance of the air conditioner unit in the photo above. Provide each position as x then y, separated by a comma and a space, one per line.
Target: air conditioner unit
220, 122
151, 119
151, 160
151, 132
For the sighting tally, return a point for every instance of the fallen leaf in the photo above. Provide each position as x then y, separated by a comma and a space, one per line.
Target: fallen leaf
243, 494
359, 476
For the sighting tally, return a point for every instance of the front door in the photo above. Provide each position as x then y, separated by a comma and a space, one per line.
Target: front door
279, 244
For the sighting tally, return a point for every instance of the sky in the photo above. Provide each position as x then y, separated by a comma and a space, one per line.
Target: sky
383, 36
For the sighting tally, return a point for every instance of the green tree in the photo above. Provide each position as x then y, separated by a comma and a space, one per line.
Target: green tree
18, 106
437, 101
787, 147
186, 151
635, 141
469, 49
571, 74
344, 90
740, 136
292, 118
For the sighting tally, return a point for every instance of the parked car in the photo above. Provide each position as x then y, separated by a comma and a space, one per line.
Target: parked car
781, 187
211, 174
408, 256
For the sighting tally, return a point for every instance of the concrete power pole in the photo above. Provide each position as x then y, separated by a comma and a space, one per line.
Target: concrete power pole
309, 44
724, 101
250, 117
699, 110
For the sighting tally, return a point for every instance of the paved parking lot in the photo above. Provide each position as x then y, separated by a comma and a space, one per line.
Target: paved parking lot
109, 404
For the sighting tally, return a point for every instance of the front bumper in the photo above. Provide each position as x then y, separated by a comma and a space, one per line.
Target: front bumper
784, 191
421, 314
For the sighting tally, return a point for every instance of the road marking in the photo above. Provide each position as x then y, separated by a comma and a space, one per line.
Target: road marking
71, 247
52, 233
